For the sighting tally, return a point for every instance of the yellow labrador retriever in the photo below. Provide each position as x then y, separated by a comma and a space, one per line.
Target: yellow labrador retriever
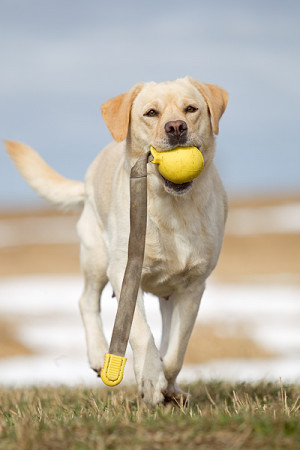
185, 222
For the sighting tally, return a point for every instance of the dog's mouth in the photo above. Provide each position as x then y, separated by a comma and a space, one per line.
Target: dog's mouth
177, 189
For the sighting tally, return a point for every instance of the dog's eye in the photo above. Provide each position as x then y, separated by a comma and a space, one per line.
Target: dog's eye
191, 109
151, 113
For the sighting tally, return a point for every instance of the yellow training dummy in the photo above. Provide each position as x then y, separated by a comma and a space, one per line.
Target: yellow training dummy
179, 165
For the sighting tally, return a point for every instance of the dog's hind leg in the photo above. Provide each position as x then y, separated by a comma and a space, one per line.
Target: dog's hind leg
93, 256
181, 314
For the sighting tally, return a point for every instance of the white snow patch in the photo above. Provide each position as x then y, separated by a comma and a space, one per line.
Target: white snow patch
47, 307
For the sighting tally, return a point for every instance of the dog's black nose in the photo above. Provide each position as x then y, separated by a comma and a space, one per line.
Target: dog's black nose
176, 128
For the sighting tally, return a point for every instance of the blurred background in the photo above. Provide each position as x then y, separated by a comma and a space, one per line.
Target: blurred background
59, 62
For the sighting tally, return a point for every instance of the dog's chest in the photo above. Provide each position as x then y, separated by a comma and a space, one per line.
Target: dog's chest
179, 251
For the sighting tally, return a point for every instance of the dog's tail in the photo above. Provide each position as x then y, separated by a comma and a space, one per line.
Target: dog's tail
60, 191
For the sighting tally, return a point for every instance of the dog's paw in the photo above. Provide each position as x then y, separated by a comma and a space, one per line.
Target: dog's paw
96, 359
151, 389
176, 395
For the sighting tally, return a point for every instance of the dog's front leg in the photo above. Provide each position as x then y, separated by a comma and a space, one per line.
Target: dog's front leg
150, 378
181, 313
148, 366
94, 262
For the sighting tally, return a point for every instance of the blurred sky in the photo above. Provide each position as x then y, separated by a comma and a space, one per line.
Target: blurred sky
61, 59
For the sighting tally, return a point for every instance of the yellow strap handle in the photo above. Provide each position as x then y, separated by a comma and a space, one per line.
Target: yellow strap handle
113, 369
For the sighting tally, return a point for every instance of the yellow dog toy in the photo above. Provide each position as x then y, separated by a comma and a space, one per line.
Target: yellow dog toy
180, 165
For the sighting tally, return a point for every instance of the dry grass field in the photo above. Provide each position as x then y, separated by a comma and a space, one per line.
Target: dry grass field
221, 416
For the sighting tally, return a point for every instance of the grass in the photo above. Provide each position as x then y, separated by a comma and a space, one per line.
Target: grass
221, 416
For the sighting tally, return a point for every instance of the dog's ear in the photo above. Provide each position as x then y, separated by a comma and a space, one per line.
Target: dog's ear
116, 112
216, 99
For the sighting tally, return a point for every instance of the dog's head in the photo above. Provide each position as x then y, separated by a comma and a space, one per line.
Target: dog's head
167, 115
